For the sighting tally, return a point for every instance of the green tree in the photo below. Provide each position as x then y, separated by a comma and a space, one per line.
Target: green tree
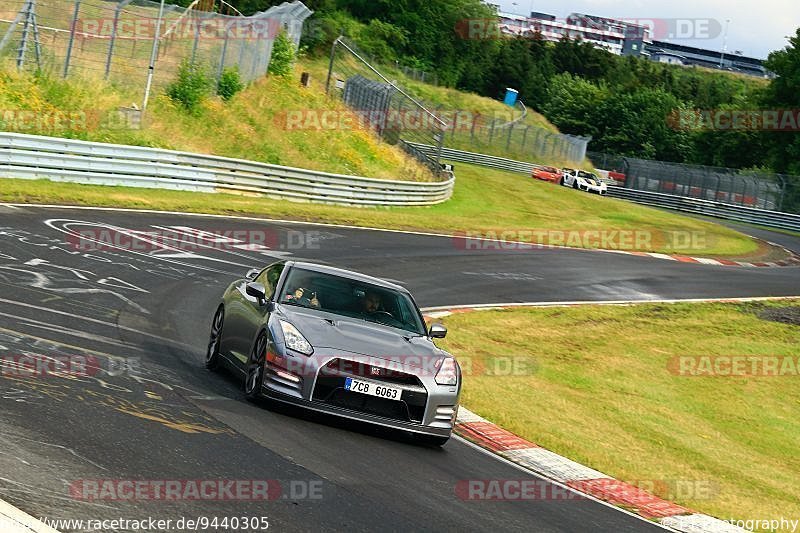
191, 87
572, 104
283, 56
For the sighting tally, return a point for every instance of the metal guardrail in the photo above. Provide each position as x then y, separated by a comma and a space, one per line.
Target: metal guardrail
483, 160
761, 217
56, 159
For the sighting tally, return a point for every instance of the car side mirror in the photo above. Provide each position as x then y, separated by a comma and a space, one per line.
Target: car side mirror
252, 273
257, 291
437, 331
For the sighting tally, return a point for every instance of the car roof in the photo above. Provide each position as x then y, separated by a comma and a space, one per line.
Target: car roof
325, 269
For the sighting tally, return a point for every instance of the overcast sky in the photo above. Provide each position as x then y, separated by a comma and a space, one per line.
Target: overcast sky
756, 27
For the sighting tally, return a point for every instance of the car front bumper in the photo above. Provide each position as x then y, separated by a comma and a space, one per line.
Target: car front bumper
425, 406
359, 416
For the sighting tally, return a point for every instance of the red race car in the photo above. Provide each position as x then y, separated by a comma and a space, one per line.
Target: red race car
547, 174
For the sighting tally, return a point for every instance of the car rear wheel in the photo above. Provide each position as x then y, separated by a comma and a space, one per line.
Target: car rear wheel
212, 352
575, 185
255, 368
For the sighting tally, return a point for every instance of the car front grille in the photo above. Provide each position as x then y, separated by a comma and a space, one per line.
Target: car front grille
329, 389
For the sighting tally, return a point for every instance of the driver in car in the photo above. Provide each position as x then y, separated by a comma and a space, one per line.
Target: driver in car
371, 304
303, 296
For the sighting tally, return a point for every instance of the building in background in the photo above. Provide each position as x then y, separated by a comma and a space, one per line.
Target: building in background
624, 38
615, 36
678, 54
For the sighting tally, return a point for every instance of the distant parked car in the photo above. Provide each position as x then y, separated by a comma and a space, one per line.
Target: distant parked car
550, 174
583, 181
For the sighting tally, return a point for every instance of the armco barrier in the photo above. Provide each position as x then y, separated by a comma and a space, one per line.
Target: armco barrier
56, 159
772, 219
479, 159
762, 217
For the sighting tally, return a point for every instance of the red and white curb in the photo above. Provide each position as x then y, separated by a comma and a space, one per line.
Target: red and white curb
583, 479
12, 520
792, 260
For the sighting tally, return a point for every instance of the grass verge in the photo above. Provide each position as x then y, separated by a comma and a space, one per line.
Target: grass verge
249, 126
599, 390
484, 201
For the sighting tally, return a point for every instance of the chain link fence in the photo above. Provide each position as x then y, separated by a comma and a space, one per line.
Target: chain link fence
382, 106
515, 140
402, 118
119, 40
776, 192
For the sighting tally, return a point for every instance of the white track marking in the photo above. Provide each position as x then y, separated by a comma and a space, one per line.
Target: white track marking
68, 331
176, 253
12, 520
95, 321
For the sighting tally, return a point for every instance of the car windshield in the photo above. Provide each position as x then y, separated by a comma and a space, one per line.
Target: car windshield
351, 298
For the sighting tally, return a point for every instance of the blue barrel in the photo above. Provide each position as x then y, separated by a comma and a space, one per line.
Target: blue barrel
511, 96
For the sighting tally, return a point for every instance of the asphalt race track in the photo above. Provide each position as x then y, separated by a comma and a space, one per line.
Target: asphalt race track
154, 412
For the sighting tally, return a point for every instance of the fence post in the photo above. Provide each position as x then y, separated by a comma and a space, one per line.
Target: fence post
196, 41
113, 41
241, 50
24, 44
223, 54
475, 118
153, 56
330, 66
491, 132
73, 27
510, 132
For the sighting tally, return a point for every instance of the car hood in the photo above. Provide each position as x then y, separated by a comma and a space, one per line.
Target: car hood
336, 332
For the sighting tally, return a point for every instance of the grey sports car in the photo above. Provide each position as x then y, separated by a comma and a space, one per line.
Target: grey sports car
337, 342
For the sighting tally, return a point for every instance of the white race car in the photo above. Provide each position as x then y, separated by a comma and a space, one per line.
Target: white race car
584, 181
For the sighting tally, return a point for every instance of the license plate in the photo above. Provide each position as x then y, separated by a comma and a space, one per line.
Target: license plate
373, 389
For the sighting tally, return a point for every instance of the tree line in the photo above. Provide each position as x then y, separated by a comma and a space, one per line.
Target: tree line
630, 106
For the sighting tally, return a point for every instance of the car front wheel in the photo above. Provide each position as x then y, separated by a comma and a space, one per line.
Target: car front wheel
255, 368
212, 352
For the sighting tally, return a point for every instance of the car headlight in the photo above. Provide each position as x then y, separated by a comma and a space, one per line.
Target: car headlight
295, 340
448, 374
